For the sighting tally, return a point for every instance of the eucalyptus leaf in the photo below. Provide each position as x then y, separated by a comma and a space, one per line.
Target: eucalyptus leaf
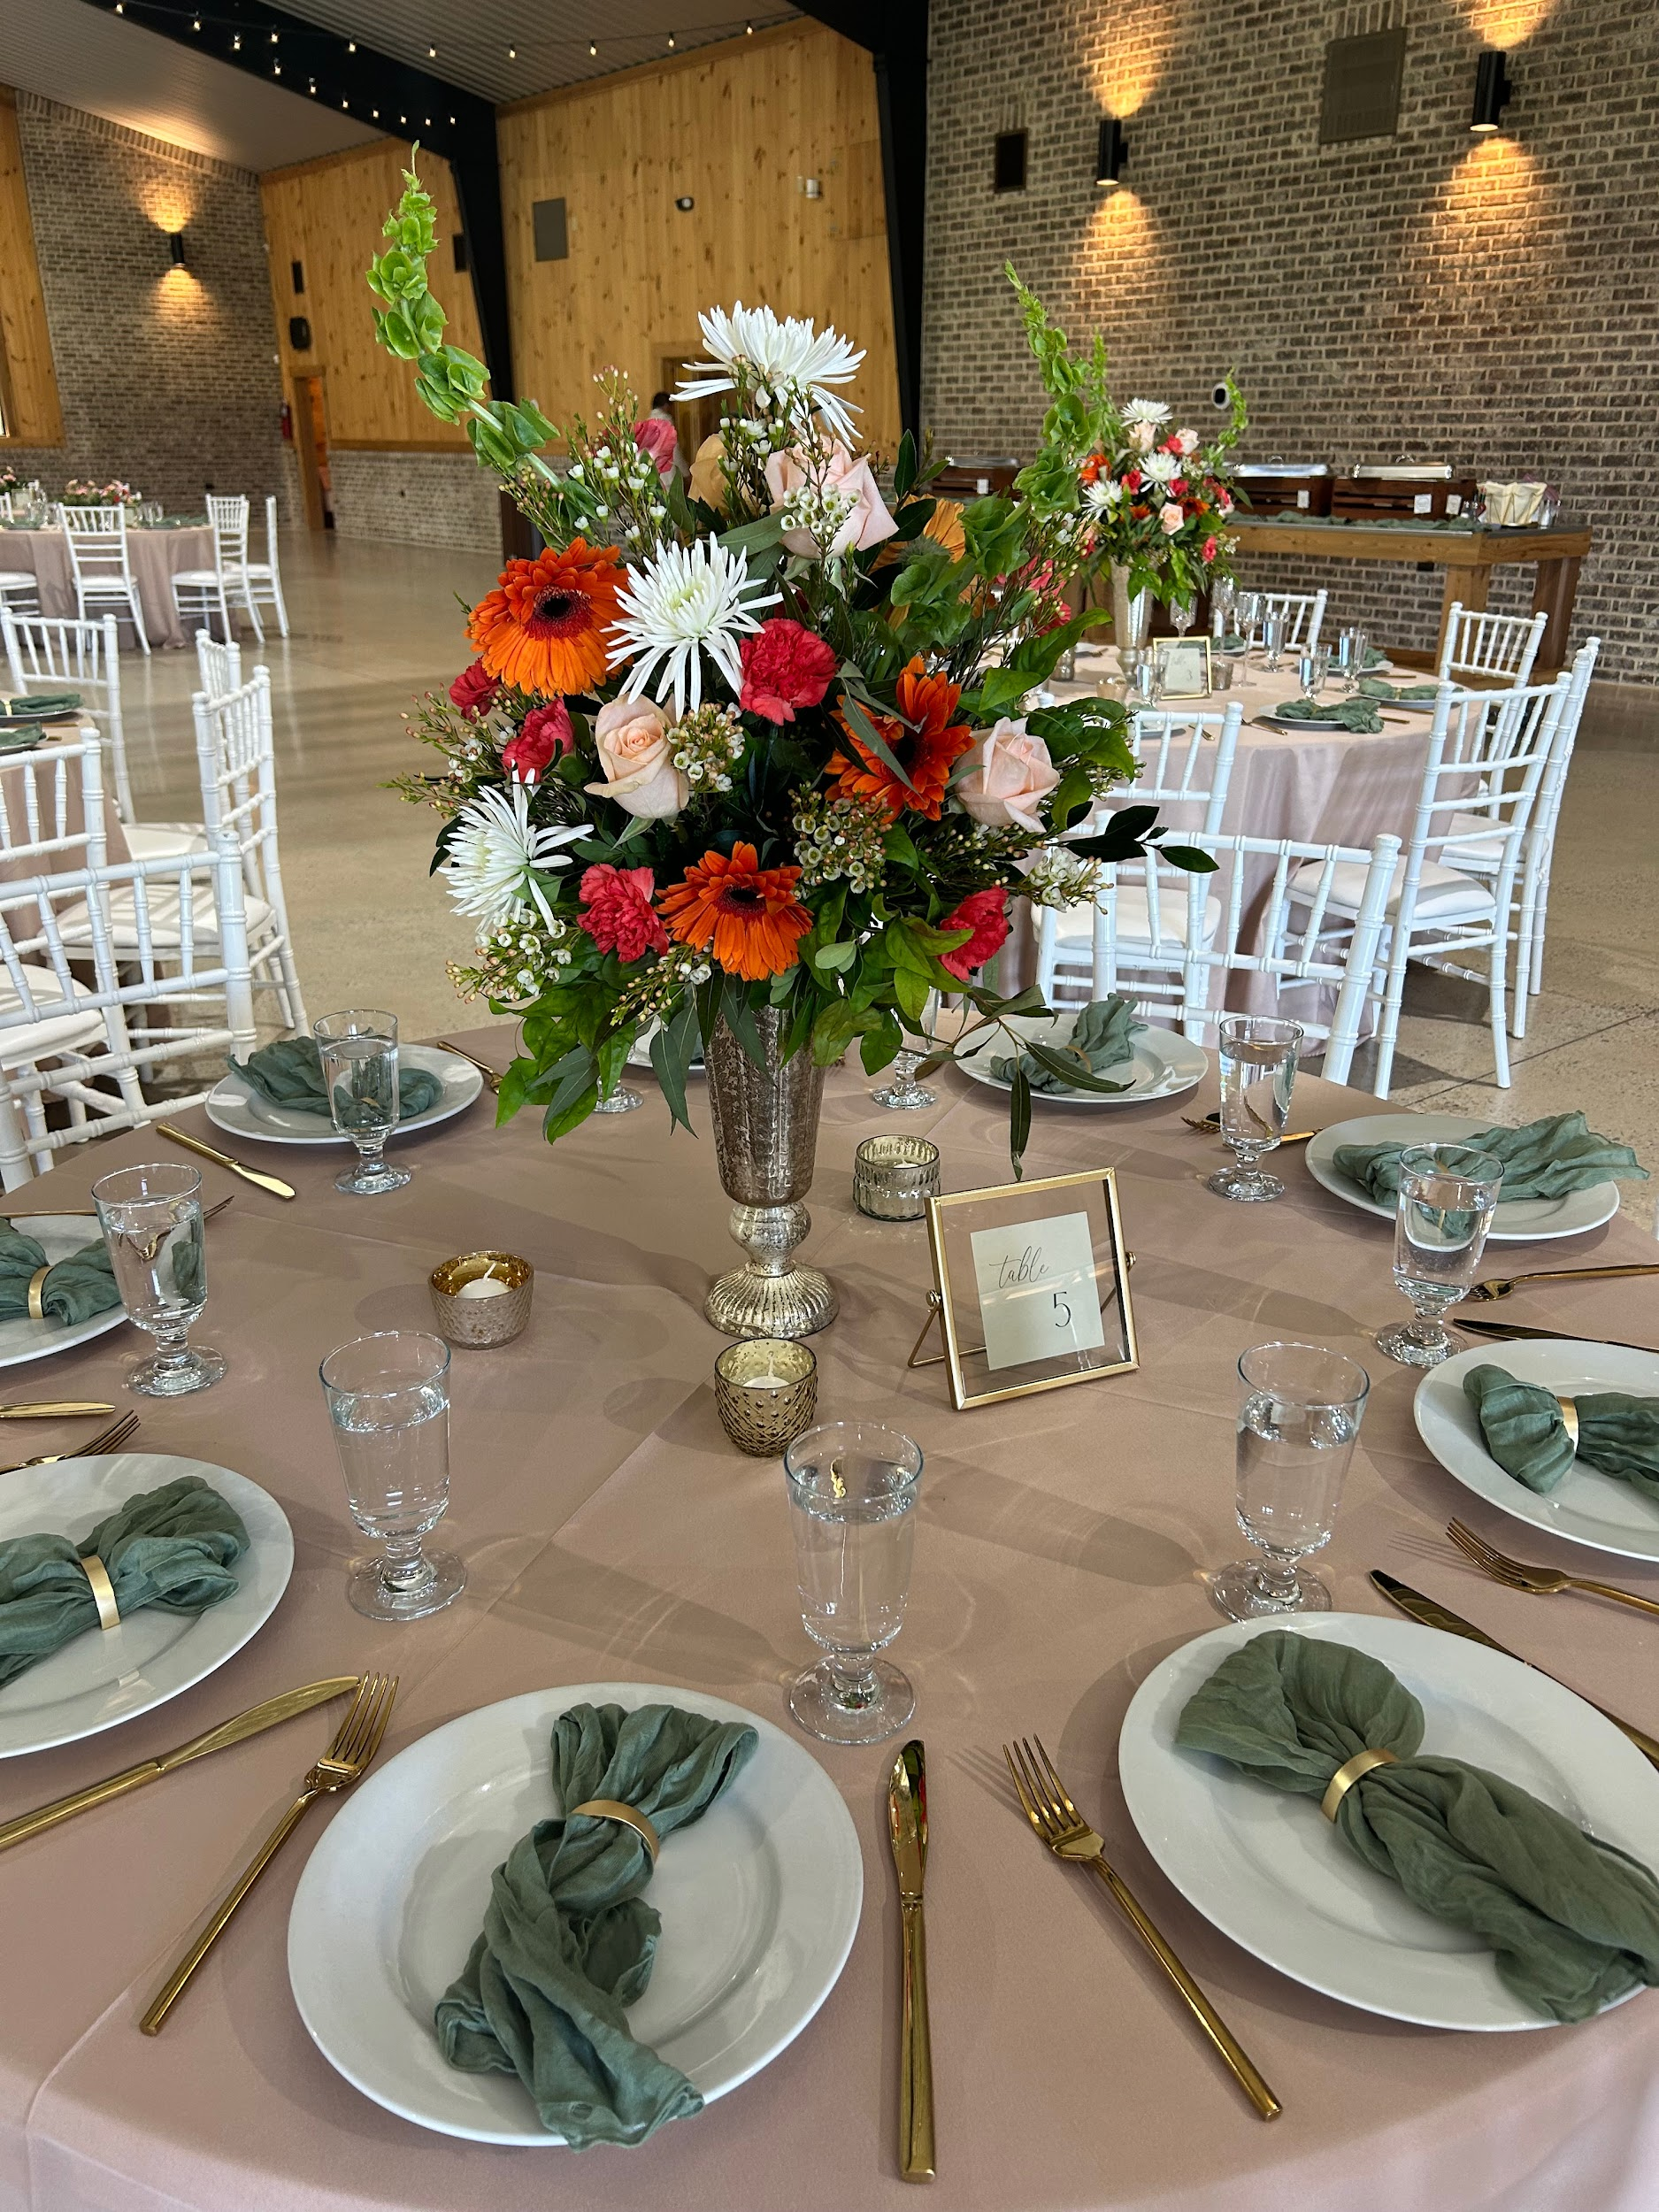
867, 733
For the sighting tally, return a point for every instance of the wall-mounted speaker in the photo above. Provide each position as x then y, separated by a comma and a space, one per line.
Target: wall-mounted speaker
299, 334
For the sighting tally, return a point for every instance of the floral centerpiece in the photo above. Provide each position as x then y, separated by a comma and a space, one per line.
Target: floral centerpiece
80, 491
9, 479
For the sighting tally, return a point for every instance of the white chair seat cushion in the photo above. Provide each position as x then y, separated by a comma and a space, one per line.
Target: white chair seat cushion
1075, 926
1443, 895
164, 840
200, 578
18, 580
39, 1039
163, 918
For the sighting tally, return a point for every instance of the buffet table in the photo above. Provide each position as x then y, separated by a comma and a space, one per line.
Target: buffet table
156, 556
610, 1531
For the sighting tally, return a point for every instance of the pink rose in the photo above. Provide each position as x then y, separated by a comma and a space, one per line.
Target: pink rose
840, 474
1144, 436
544, 733
659, 438
631, 737
1014, 775
1186, 442
1171, 518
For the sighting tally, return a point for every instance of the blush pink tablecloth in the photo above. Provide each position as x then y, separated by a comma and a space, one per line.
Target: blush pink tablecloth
155, 556
609, 1530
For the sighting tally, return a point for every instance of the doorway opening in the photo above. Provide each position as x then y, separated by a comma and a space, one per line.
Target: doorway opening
695, 420
311, 449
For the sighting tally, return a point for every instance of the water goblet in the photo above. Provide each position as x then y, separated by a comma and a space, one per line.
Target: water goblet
359, 1056
388, 1399
1351, 648
1181, 614
904, 1094
852, 1490
1146, 681
1258, 1072
1447, 1192
1312, 665
1300, 1408
623, 1100
151, 1220
1273, 633
1224, 595
1250, 606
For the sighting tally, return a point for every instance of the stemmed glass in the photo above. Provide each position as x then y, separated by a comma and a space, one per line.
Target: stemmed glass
388, 1399
1146, 680
1258, 1072
1181, 614
1300, 1408
151, 1220
1447, 1192
1223, 603
1351, 648
1312, 665
852, 1499
1249, 618
359, 1056
1274, 630
622, 1100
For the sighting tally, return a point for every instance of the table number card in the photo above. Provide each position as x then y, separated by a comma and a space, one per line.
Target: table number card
1037, 1289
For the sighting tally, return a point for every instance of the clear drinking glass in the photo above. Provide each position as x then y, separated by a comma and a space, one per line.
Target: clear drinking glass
1146, 681
151, 1220
1351, 648
1258, 1072
388, 1399
1250, 616
901, 1093
852, 1500
1224, 598
359, 1056
1300, 1408
1274, 632
623, 1100
1312, 665
1447, 1195
1181, 614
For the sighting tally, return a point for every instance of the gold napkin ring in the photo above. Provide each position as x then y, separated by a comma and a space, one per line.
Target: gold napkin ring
102, 1590
1569, 1422
1343, 1780
37, 1283
608, 1809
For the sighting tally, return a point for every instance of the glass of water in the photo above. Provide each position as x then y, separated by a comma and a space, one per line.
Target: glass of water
852, 1500
1181, 614
1300, 1408
1258, 1074
388, 1398
1352, 646
151, 1220
1447, 1192
1273, 633
1312, 665
359, 1056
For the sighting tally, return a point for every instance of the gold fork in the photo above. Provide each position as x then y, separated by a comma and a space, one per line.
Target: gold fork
1541, 1582
492, 1076
354, 1746
1501, 1285
1211, 1127
108, 1439
1068, 1835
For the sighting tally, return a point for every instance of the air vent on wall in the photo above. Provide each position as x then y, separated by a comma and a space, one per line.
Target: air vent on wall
1008, 162
552, 239
1361, 87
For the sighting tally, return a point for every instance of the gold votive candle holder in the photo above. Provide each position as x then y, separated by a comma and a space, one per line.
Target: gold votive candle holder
894, 1177
482, 1299
765, 1390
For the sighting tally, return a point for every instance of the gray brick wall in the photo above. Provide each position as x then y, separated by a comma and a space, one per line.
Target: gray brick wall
440, 499
1494, 303
169, 380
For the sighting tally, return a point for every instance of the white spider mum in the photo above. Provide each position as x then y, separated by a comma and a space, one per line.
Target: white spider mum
1161, 468
688, 600
1152, 410
492, 858
792, 354
1102, 494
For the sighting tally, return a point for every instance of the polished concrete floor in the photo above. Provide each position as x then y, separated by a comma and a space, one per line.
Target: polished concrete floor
374, 627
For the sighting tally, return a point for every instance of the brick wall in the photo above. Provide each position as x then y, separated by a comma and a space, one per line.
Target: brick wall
1492, 303
167, 378
441, 499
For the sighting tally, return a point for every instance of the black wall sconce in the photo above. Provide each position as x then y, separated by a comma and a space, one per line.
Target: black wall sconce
175, 249
1492, 91
1112, 156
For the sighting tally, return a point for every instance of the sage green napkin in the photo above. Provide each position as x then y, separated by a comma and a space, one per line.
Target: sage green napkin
290, 1073
1573, 1923
569, 1940
1375, 687
1358, 715
1527, 1435
43, 706
1104, 1032
173, 1548
76, 1289
1542, 1159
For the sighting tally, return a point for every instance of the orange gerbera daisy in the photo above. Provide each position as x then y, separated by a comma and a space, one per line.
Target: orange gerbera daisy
925, 744
543, 629
750, 913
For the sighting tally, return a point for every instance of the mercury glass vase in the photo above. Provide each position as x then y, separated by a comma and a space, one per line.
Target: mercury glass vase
765, 1141
1132, 612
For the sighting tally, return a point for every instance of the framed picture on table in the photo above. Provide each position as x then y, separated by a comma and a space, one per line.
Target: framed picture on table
1183, 666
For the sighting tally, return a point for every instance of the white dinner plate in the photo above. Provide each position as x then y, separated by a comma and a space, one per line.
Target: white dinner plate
238, 1109
1587, 1507
23, 1340
1163, 1065
1513, 1221
1273, 1873
109, 1676
759, 1900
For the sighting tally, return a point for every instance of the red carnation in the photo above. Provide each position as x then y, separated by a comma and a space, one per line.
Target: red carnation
982, 913
659, 438
544, 733
1172, 445
474, 690
784, 667
1178, 485
1211, 549
1132, 479
620, 917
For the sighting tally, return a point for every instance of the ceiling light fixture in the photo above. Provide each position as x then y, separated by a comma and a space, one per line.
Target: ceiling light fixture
1111, 157
1492, 91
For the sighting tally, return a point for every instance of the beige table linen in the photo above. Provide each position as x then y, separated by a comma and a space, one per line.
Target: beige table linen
155, 555
13, 779
611, 1531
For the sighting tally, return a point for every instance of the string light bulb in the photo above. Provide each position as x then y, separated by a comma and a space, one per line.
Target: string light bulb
591, 48
670, 41
432, 53
236, 44
351, 46
512, 53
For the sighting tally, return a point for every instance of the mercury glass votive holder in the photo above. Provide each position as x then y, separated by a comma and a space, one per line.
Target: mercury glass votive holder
894, 1177
482, 1299
765, 1390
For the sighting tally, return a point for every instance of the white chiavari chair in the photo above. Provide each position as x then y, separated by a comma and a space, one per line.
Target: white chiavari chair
218, 666
101, 563
236, 762
199, 594
1500, 647
1303, 613
52, 652
264, 578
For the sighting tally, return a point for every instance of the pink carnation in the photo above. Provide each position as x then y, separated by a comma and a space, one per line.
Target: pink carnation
983, 912
474, 690
784, 667
544, 733
1211, 549
659, 440
618, 915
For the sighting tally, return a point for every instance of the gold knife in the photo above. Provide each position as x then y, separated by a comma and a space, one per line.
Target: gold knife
1430, 1614
55, 1409
272, 1183
1498, 1330
907, 1831
256, 1718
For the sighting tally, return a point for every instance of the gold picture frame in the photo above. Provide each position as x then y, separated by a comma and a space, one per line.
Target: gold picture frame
1031, 1285
1184, 668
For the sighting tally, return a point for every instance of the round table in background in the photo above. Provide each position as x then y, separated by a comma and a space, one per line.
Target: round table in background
155, 555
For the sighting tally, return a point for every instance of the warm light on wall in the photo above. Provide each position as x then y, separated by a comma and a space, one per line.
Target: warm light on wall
1505, 24
1139, 42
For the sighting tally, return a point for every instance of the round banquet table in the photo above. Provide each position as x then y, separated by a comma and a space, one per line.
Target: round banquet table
156, 556
610, 1531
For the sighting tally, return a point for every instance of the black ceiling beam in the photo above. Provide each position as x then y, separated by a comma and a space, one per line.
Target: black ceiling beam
336, 72
893, 32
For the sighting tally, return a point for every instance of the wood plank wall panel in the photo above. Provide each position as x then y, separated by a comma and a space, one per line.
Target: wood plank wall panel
735, 126
328, 215
28, 382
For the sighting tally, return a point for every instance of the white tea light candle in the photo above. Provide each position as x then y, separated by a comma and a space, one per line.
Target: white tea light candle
483, 1287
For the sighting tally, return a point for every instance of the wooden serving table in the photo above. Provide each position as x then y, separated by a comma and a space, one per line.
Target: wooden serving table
1468, 556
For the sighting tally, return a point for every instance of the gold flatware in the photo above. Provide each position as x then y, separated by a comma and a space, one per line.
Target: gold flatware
1212, 1126
492, 1076
907, 1833
1504, 1330
1542, 1582
1501, 1285
1429, 1613
90, 1213
252, 1723
55, 1409
356, 1743
1068, 1835
108, 1439
272, 1183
